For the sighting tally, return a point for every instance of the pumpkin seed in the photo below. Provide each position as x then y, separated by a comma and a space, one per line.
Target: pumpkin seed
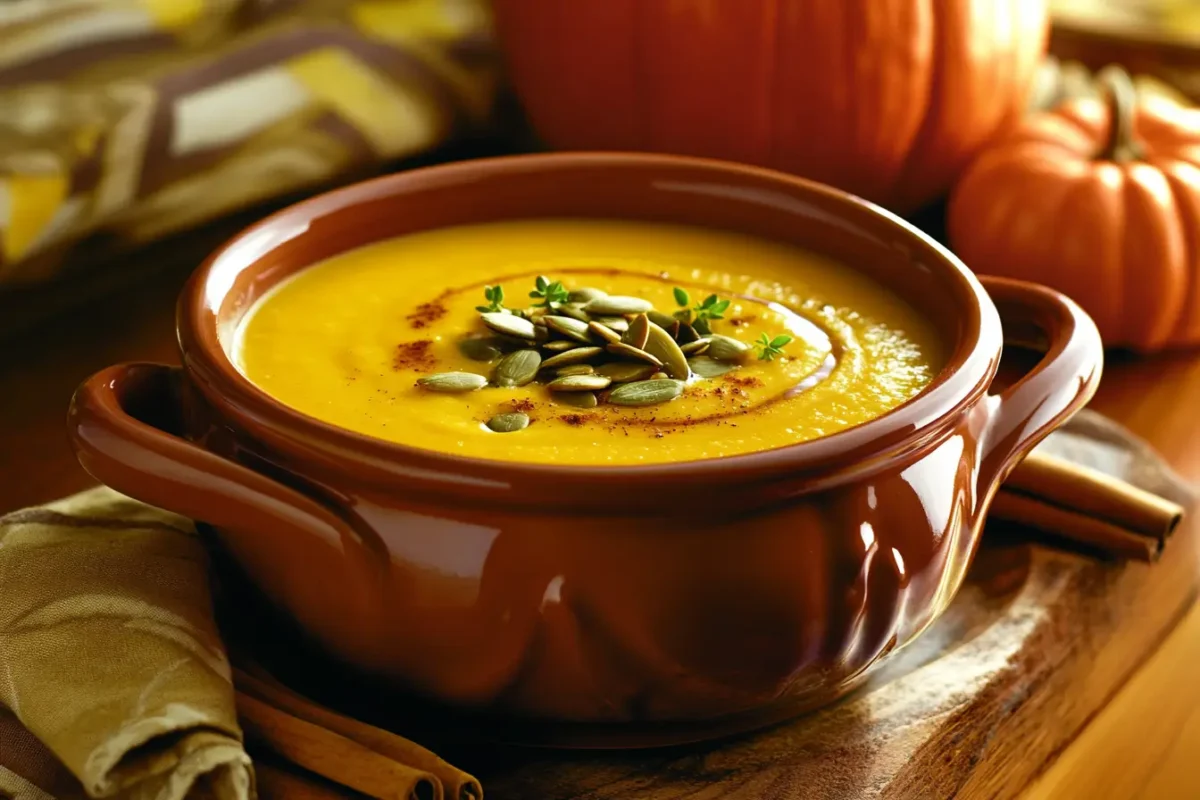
604, 332
585, 294
572, 356
660, 376
452, 382
622, 349
660, 345
618, 324
510, 324
576, 369
645, 393
660, 319
694, 348
625, 372
560, 345
579, 383
480, 348
707, 367
577, 399
517, 369
702, 327
638, 333
618, 305
571, 328
508, 423
725, 348
686, 334
574, 311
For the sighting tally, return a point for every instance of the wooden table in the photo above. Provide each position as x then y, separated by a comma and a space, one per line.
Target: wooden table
1114, 736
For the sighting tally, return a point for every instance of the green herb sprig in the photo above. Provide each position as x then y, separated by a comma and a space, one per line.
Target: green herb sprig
551, 293
495, 297
700, 315
712, 308
684, 314
769, 348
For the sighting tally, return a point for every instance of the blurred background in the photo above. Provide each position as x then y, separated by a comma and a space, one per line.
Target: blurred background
137, 134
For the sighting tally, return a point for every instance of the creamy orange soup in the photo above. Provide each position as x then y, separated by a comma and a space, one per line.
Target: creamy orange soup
349, 341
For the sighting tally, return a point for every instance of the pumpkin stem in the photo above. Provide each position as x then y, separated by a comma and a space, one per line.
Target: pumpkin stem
1121, 96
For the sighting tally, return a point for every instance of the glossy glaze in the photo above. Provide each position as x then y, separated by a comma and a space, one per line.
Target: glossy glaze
581, 593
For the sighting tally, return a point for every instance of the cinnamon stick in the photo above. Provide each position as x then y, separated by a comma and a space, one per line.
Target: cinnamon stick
1088, 507
277, 783
331, 756
458, 785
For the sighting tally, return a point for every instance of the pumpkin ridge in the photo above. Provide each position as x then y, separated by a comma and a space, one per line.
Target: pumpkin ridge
891, 128
1054, 201
1151, 319
1188, 210
916, 150
1109, 279
772, 103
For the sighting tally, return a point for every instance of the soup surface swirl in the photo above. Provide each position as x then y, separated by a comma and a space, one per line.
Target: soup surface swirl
346, 340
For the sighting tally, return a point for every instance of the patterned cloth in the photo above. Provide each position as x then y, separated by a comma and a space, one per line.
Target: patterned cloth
138, 118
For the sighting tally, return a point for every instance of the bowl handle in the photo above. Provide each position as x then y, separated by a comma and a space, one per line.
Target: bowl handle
1060, 384
121, 422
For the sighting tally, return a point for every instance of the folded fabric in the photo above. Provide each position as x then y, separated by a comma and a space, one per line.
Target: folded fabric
117, 683
109, 654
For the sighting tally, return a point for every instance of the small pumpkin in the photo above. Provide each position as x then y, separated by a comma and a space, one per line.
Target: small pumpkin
888, 99
1099, 199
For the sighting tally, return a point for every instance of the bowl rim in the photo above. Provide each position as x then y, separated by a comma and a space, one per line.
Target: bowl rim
903, 432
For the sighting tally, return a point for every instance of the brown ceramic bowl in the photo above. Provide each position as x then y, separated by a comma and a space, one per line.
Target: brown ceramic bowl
706, 595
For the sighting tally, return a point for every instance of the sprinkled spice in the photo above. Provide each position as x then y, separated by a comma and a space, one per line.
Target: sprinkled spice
416, 356
572, 419
738, 322
748, 382
523, 405
427, 314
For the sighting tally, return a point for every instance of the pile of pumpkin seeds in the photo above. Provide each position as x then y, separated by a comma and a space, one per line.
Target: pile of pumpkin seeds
588, 347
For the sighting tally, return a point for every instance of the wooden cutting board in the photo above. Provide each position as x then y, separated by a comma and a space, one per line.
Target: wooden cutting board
1034, 645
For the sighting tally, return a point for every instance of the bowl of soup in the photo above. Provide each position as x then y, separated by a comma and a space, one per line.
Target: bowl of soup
606, 440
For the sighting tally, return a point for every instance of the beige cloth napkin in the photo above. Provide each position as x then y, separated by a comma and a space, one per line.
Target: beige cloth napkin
109, 654
110, 657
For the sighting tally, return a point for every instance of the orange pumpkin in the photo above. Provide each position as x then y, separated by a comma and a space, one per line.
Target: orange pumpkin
888, 99
1100, 200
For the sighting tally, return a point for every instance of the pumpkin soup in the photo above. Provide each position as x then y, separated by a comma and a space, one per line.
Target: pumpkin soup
586, 342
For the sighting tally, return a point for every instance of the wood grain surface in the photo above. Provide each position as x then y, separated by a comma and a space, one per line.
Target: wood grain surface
1027, 675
